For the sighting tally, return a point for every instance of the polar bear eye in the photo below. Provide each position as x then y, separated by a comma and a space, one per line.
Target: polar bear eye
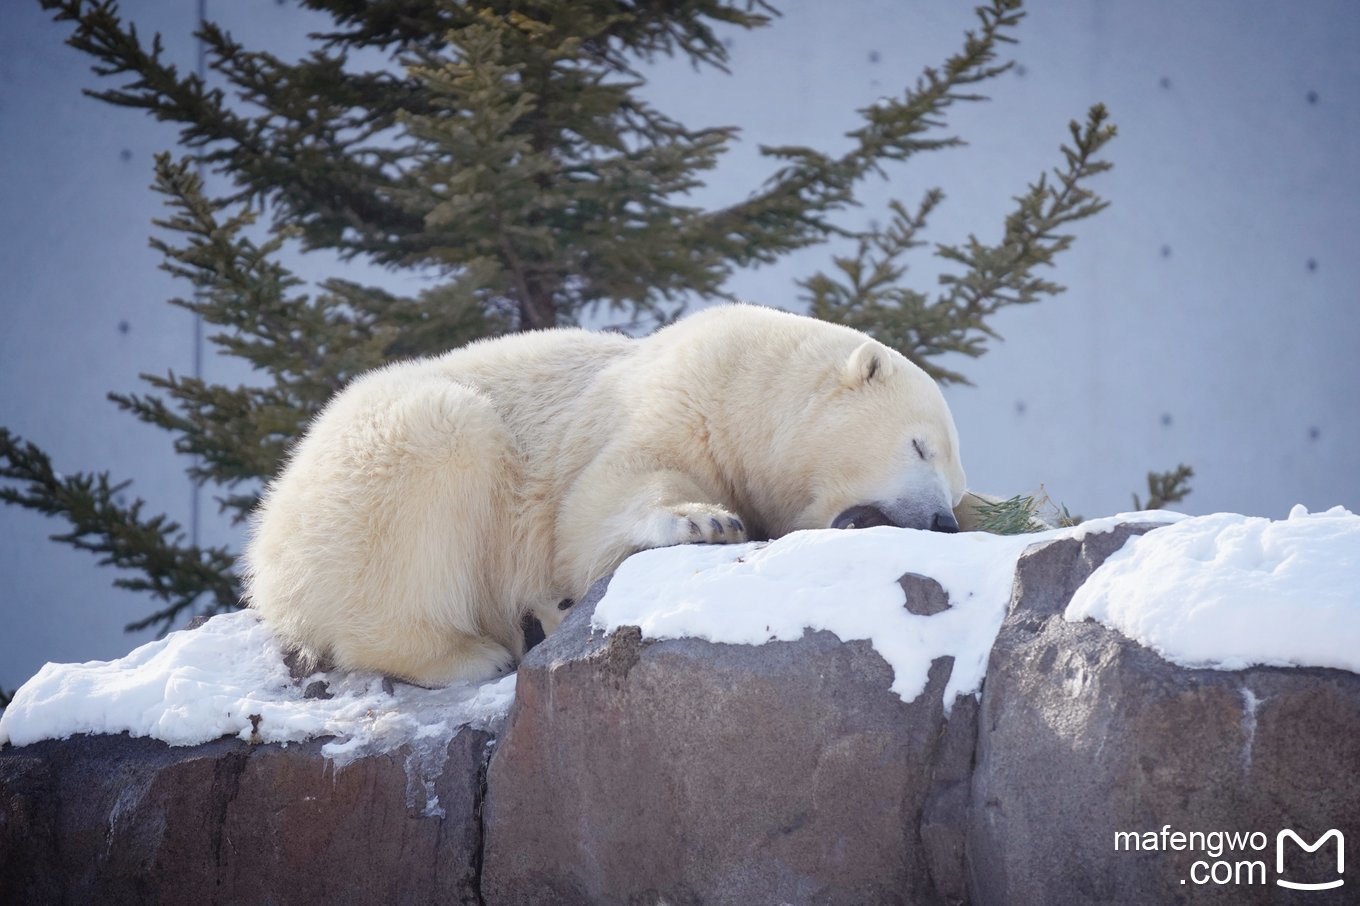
920, 449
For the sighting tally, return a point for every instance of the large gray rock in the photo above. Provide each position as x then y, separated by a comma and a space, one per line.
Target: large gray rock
643, 772
689, 772
112, 819
1085, 734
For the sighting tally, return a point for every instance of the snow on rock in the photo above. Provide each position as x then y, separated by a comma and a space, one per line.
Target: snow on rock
843, 582
1224, 591
1229, 592
197, 685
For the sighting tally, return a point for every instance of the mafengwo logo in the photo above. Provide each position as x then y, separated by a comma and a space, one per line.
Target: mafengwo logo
1239, 858
1285, 835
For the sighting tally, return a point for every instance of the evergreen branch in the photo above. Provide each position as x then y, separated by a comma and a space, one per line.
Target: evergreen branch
866, 293
170, 570
1004, 274
1166, 488
311, 345
236, 434
621, 35
792, 210
274, 155
387, 327
870, 297
385, 24
156, 86
685, 31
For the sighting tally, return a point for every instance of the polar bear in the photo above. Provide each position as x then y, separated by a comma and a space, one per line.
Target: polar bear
433, 503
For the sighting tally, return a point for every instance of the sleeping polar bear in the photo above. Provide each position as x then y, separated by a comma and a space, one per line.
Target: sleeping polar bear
433, 503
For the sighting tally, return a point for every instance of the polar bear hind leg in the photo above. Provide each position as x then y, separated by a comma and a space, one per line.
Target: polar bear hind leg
381, 543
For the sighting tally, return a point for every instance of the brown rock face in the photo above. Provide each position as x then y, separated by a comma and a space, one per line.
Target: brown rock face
1084, 734
684, 772
689, 772
110, 819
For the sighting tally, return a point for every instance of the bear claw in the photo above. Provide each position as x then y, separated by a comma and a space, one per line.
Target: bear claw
698, 524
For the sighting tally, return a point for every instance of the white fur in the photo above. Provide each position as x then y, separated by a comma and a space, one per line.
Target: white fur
433, 503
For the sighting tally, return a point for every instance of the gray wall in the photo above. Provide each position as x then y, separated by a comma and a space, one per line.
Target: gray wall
1211, 316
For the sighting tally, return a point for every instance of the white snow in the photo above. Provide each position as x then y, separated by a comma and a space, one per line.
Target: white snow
842, 582
197, 685
1224, 591
1229, 592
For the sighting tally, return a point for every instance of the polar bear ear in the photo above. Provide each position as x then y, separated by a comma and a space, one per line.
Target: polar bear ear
869, 362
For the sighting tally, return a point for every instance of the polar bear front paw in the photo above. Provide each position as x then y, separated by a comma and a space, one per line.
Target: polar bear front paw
695, 523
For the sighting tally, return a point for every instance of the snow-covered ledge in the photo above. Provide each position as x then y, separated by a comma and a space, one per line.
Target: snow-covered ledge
798, 720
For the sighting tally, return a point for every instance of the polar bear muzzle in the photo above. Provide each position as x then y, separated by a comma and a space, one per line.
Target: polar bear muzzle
867, 516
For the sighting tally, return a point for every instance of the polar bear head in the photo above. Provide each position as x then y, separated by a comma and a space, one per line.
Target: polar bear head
872, 441
909, 475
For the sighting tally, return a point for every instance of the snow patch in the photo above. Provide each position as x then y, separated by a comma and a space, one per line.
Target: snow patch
1229, 592
197, 685
842, 582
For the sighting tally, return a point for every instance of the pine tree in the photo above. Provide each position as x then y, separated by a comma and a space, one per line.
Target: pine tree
506, 146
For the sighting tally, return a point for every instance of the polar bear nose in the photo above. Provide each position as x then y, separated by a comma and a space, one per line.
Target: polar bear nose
944, 522
867, 516
861, 516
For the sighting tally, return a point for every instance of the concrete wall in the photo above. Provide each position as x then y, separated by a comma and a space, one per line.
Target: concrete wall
1210, 317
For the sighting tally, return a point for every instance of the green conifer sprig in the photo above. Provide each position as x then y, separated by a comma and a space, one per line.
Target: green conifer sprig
1026, 513
1164, 488
1023, 514
166, 566
1014, 516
